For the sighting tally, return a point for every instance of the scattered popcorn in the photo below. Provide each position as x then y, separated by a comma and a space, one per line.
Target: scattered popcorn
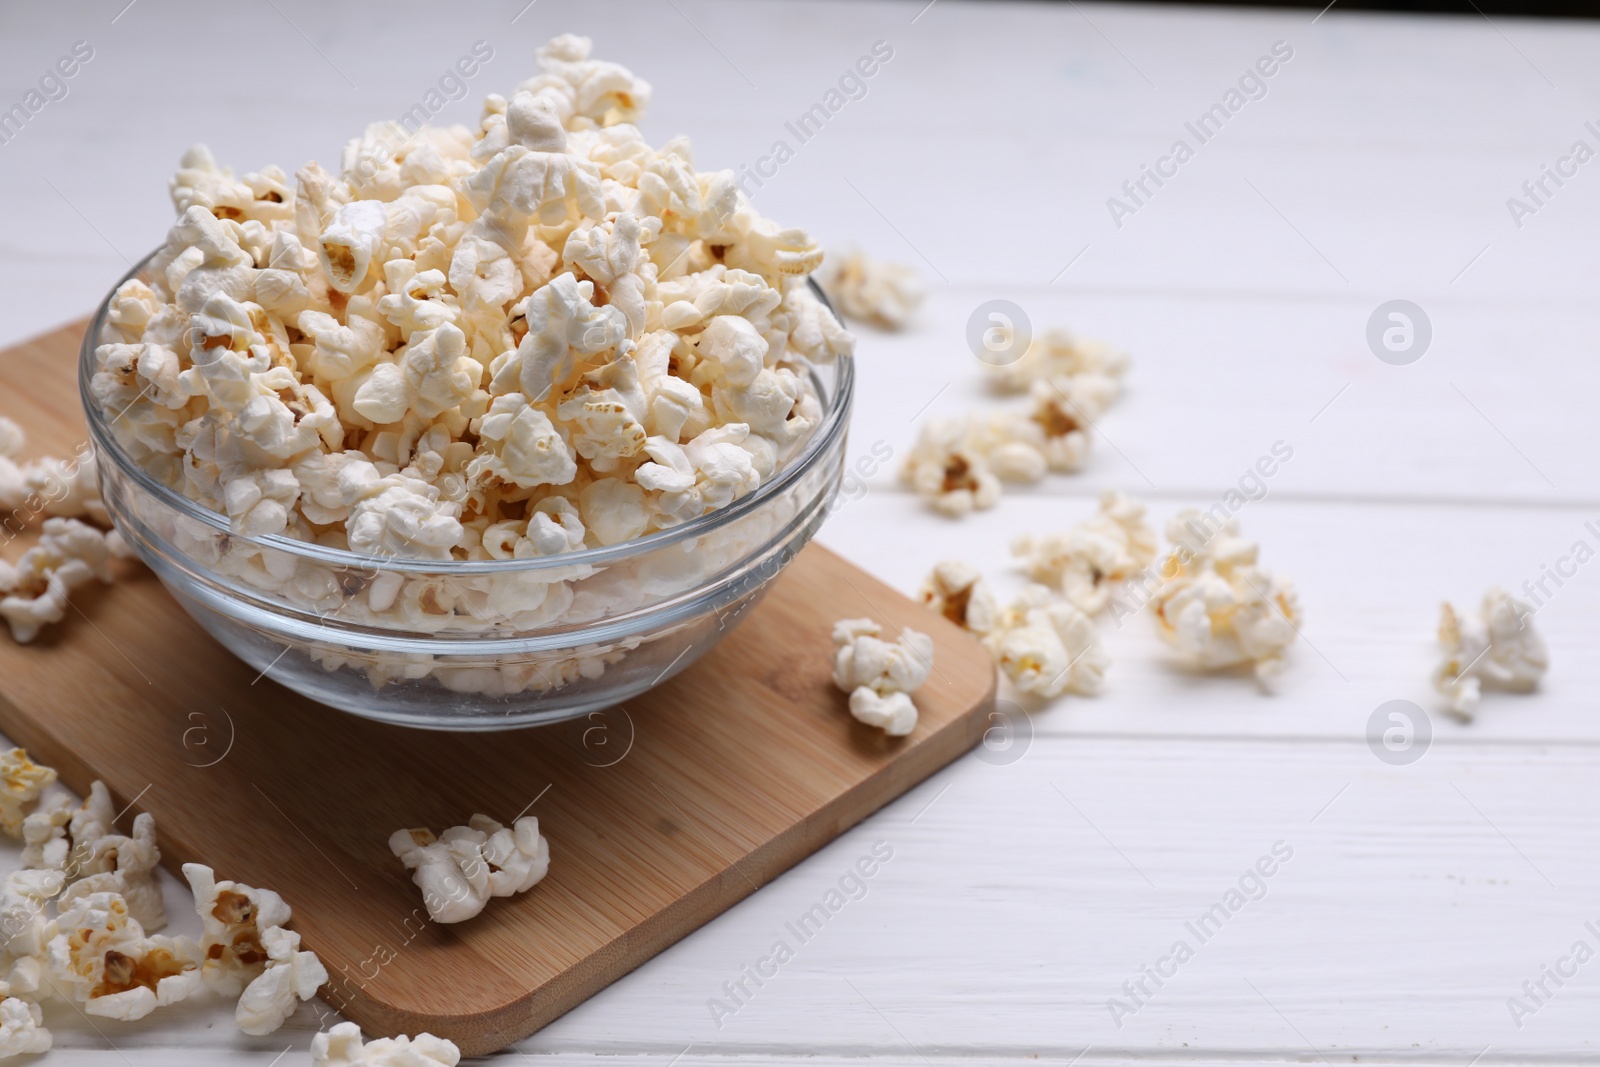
248, 954
1084, 563
461, 868
292, 975
99, 952
875, 673
12, 439
24, 927
958, 592
948, 472
102, 960
22, 1028
21, 782
1064, 411
959, 463
1499, 649
1057, 353
1216, 606
125, 866
341, 1046
871, 290
893, 713
77, 839
1047, 646
68, 554
65, 488
68, 488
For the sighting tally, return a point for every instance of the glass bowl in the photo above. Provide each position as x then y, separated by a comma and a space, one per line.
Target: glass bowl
482, 645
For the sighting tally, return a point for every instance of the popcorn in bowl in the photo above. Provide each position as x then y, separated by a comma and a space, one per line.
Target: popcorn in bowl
533, 338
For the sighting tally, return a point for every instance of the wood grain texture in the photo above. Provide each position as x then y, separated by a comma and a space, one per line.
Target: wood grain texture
661, 813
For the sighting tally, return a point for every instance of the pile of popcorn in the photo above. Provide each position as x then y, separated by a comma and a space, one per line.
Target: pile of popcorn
100, 951
959, 462
1210, 599
509, 341
1499, 649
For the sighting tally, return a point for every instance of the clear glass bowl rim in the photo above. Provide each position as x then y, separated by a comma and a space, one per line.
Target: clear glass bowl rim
835, 422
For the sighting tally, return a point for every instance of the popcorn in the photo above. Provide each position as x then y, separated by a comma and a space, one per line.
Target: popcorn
871, 290
291, 976
1013, 447
402, 515
88, 824
98, 953
341, 1046
1047, 646
349, 243
13, 483
958, 592
22, 1028
69, 488
102, 960
68, 554
131, 874
614, 510
1217, 607
709, 472
959, 463
1084, 563
946, 471
65, 488
25, 929
875, 672
427, 285
1062, 410
237, 919
1499, 649
893, 713
21, 782
1057, 353
460, 869
410, 357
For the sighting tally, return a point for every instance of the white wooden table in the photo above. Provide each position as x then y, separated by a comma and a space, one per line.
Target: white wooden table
1022, 896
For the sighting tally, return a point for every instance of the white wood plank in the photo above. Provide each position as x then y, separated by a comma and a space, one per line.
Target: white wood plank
1010, 913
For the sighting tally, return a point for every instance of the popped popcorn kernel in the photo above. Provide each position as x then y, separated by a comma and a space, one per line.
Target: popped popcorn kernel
246, 953
461, 868
1217, 606
21, 782
879, 675
957, 591
871, 290
1047, 646
1085, 563
341, 1046
1497, 649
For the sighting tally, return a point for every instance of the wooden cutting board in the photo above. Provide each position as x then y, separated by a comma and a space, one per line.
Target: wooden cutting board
660, 813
